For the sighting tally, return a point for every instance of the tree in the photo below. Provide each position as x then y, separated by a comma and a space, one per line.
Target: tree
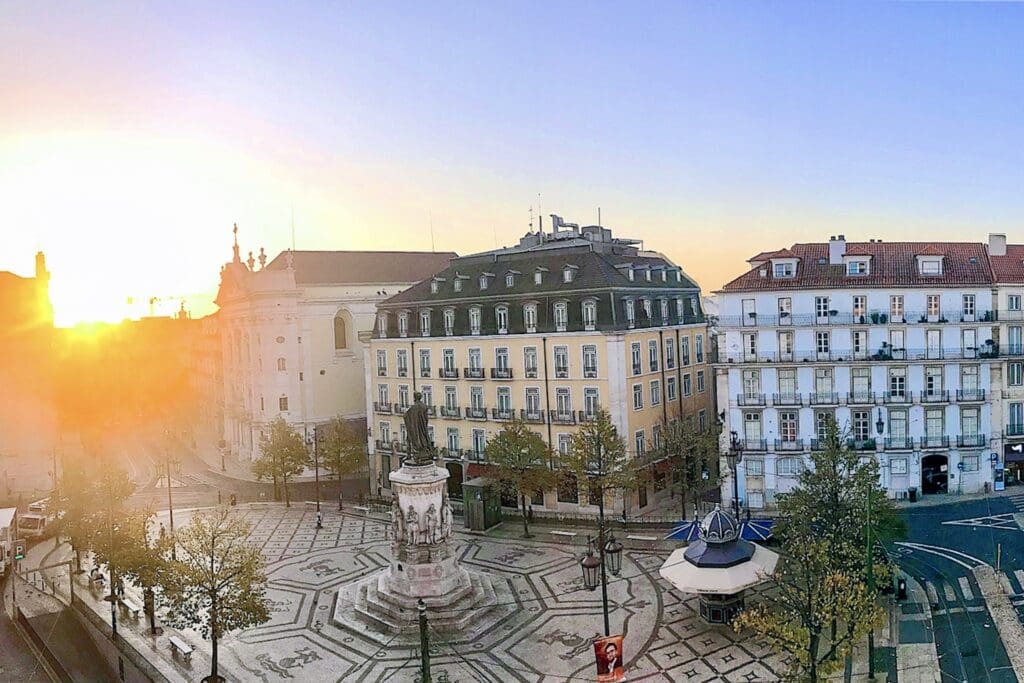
691, 454
142, 560
111, 525
597, 455
342, 447
283, 455
74, 508
519, 460
217, 583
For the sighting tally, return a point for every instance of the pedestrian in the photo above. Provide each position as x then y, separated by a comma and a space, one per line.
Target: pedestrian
319, 520
163, 531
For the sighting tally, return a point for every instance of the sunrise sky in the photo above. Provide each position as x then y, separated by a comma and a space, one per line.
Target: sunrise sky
131, 139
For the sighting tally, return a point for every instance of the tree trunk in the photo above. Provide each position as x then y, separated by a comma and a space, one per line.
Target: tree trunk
812, 660
682, 498
277, 493
213, 659
526, 528
287, 500
150, 608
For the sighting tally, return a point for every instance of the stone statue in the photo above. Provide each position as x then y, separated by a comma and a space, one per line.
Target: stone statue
397, 521
430, 523
421, 450
412, 525
446, 516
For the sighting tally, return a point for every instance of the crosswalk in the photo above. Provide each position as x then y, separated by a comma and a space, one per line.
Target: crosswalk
953, 596
1018, 501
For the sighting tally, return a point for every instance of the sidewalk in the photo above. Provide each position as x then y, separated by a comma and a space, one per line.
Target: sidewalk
948, 498
917, 660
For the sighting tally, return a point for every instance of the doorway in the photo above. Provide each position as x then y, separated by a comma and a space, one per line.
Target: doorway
454, 479
934, 474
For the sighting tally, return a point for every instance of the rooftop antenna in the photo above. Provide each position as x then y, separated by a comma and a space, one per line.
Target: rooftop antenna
431, 215
531, 220
540, 215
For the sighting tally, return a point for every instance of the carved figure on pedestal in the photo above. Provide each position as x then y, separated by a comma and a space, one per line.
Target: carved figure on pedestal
430, 523
397, 522
421, 449
412, 525
446, 516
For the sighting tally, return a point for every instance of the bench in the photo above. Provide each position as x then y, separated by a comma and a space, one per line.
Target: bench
633, 537
97, 582
132, 607
180, 646
310, 504
566, 534
362, 508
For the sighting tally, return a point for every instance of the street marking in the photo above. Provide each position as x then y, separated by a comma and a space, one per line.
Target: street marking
945, 553
959, 610
1004, 581
933, 597
965, 588
1004, 521
949, 592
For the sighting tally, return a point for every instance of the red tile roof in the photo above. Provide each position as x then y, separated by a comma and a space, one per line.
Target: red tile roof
765, 255
1009, 268
930, 250
362, 267
893, 264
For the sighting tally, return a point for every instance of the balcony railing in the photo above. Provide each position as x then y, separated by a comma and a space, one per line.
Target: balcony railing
473, 373
750, 399
532, 416
861, 444
403, 372
400, 408
476, 413
971, 441
934, 442
448, 373
431, 410
451, 412
383, 446
474, 456
501, 373
562, 418
585, 416
899, 443
787, 399
383, 408
1014, 430
897, 397
789, 444
881, 354
860, 398
530, 373
824, 398
589, 372
934, 396
561, 372
382, 372
755, 445
637, 370
970, 395
501, 414
877, 317
425, 371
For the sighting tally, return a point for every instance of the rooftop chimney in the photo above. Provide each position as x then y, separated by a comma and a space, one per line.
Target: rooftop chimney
996, 244
836, 249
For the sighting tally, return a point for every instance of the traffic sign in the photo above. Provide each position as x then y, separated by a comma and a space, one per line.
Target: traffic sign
960, 466
19, 549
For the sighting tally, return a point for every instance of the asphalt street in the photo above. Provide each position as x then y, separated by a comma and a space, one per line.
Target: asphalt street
944, 543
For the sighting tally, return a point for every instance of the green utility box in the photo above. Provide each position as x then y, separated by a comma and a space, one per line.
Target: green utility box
482, 500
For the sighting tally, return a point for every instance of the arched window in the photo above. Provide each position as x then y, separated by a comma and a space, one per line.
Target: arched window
561, 316
282, 364
589, 314
501, 316
340, 332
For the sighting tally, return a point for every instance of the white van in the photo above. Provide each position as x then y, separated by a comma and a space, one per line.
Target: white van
34, 523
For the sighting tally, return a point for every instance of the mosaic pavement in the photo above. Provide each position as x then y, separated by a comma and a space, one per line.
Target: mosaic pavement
547, 638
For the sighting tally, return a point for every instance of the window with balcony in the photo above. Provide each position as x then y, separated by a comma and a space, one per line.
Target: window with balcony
479, 441
671, 390
589, 361
822, 342
969, 343
382, 363
821, 308
698, 347
684, 351
424, 323
785, 310
403, 324
898, 382
476, 364
822, 419
424, 362
655, 392
561, 316
452, 439
700, 382
449, 321
474, 320
664, 310
646, 303
630, 307
451, 399
687, 384
897, 344
752, 429
533, 403
861, 425
933, 307
530, 317
501, 318
530, 362
934, 424
860, 307
457, 284
823, 381
1014, 340
403, 396
476, 400
589, 315
639, 444
653, 355
504, 402
563, 403
933, 381
751, 385
968, 308
897, 424
860, 383
382, 397
1015, 424
680, 310
428, 394
561, 354
969, 379
638, 396
896, 308
970, 423
789, 427
670, 354
750, 346
787, 384
402, 358
785, 345
501, 361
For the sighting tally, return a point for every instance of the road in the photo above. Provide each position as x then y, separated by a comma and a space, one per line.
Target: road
945, 542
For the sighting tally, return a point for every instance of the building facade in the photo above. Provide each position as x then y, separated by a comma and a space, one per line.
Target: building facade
895, 342
549, 331
289, 333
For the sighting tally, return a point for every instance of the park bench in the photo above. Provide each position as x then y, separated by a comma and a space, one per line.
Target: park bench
310, 504
133, 607
634, 537
97, 582
180, 646
361, 508
565, 534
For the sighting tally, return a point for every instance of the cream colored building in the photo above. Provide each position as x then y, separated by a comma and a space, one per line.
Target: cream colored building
548, 331
289, 334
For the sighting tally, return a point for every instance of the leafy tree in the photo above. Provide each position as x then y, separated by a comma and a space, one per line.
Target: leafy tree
74, 507
283, 455
111, 524
142, 559
342, 447
691, 453
519, 461
217, 583
598, 456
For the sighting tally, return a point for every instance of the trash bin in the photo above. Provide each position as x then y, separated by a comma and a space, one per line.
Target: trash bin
912, 494
901, 588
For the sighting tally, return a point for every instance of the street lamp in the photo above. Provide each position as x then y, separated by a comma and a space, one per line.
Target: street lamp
734, 458
879, 423
314, 441
594, 567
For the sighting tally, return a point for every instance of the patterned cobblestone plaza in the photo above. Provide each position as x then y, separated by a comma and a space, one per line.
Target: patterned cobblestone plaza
546, 638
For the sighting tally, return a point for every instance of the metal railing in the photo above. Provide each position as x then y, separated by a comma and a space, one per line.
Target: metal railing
971, 441
897, 397
750, 399
899, 443
819, 398
452, 412
476, 413
934, 441
562, 418
448, 373
934, 396
970, 395
787, 399
383, 408
473, 373
501, 373
837, 318
789, 444
860, 398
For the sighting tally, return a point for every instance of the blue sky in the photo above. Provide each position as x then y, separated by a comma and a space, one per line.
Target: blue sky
710, 130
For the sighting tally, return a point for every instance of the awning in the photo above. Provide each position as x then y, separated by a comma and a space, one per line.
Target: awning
690, 578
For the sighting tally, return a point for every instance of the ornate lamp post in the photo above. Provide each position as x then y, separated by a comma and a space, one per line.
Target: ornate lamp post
594, 569
314, 442
734, 458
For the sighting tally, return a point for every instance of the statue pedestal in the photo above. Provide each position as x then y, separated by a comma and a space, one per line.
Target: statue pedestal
424, 565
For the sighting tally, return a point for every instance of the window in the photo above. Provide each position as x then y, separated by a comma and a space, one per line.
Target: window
653, 354
898, 465
475, 359
382, 325
476, 399
1014, 340
860, 382
897, 424
635, 358
655, 392
433, 286
656, 437
591, 402
860, 305
589, 315
861, 425
638, 396
340, 332
282, 364
859, 344
448, 359
969, 421
639, 444
680, 311
568, 487
561, 316
282, 404
971, 462
1016, 422
457, 284
785, 311
968, 307
510, 280
896, 340
821, 307
561, 362
700, 381
934, 423
424, 362
687, 385
664, 310
530, 362
752, 426
787, 382
684, 350
483, 282
453, 440
647, 308
755, 499
750, 346
1015, 372
504, 401
754, 467
857, 268
589, 361
788, 426
670, 354
969, 378
403, 324
751, 383
424, 323
567, 274
932, 307
969, 343
823, 380
451, 399
698, 347
932, 380
822, 342
501, 316
788, 467
538, 277
702, 420
530, 317
822, 419
630, 312
382, 363
898, 382
474, 320
670, 388
784, 269
1013, 302
403, 396
501, 360
402, 357
896, 309
479, 441
382, 395
533, 402
563, 402
428, 395
449, 321
931, 267
261, 404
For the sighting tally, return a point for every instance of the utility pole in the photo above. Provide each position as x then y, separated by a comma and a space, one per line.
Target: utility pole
170, 501
424, 643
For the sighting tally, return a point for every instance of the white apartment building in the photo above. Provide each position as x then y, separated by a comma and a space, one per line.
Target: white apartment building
1008, 375
894, 341
289, 334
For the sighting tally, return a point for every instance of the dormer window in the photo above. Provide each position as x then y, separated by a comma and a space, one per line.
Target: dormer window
648, 274
501, 317
858, 267
510, 280
589, 314
530, 317
630, 313
483, 282
568, 273
538, 277
664, 276
630, 273
382, 325
930, 266
403, 324
474, 320
457, 284
449, 321
783, 269
425, 323
561, 316
433, 286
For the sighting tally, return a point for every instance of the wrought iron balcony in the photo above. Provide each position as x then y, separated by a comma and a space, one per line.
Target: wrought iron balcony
824, 398
501, 373
382, 372
934, 396
403, 372
754, 444
1014, 430
383, 408
400, 408
787, 399
861, 444
750, 399
473, 373
589, 372
971, 441
897, 397
501, 414
789, 445
530, 373
899, 443
425, 371
934, 441
561, 372
562, 418
383, 446
448, 373
970, 395
585, 417
860, 398
476, 413
451, 412
532, 416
